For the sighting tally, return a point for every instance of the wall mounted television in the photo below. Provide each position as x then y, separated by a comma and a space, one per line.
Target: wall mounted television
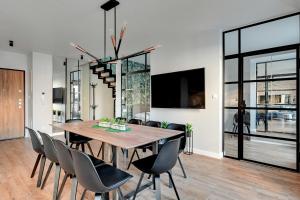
58, 95
183, 89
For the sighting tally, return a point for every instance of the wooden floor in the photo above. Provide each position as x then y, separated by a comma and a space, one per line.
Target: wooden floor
208, 178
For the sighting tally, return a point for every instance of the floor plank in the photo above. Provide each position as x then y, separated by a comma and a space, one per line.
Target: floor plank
208, 178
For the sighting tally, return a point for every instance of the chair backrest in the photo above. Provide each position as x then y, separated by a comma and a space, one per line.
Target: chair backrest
179, 127
49, 147
35, 141
167, 157
135, 121
72, 135
153, 124
64, 156
86, 172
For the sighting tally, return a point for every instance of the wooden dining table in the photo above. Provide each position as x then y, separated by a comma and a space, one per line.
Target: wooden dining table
137, 136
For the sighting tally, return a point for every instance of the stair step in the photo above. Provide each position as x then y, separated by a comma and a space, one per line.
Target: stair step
100, 69
105, 74
109, 80
112, 84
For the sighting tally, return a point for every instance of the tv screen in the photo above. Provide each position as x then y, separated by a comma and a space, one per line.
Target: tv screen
58, 95
184, 89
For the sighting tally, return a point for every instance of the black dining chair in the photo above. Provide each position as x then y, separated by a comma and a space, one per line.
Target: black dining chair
66, 163
100, 180
51, 155
78, 140
135, 121
144, 147
155, 165
180, 127
41, 158
153, 124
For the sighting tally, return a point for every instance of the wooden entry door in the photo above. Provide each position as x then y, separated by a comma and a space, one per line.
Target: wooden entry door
12, 86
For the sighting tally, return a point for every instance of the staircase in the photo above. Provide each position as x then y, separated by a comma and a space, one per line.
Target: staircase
106, 72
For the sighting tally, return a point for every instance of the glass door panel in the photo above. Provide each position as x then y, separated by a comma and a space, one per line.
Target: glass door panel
231, 145
271, 94
271, 151
270, 109
270, 123
231, 95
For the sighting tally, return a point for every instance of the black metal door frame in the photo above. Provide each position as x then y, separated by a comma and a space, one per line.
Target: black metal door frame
240, 56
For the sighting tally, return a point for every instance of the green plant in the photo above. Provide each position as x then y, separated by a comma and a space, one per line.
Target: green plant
164, 124
189, 128
104, 119
122, 122
114, 121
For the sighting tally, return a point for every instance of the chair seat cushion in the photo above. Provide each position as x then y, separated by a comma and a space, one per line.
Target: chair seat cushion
112, 177
145, 164
97, 162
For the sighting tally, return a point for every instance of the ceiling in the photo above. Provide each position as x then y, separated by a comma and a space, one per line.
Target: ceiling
50, 25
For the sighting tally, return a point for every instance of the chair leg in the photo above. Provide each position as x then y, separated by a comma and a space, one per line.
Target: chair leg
153, 181
101, 147
41, 171
83, 194
71, 146
74, 189
82, 147
171, 178
62, 185
121, 196
47, 175
90, 148
137, 154
104, 196
56, 181
182, 168
138, 186
35, 165
77, 146
131, 159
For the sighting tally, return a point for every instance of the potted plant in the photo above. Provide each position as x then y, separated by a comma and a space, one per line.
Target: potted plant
114, 124
104, 122
189, 129
122, 125
164, 124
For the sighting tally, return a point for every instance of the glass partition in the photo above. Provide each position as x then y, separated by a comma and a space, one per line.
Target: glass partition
273, 34
261, 82
136, 88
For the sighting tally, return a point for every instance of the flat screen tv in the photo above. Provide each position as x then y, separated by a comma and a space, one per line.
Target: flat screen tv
183, 89
58, 95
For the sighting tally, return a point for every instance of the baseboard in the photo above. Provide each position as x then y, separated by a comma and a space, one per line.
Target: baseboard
208, 153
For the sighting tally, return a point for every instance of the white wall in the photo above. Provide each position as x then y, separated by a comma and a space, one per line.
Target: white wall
188, 52
42, 69
59, 81
11, 60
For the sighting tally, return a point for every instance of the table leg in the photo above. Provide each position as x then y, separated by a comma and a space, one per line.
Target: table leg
115, 164
157, 188
156, 181
155, 148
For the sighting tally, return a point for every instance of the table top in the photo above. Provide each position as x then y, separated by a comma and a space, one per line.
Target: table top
138, 135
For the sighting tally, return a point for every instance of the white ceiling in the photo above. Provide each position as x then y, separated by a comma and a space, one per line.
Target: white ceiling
50, 25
